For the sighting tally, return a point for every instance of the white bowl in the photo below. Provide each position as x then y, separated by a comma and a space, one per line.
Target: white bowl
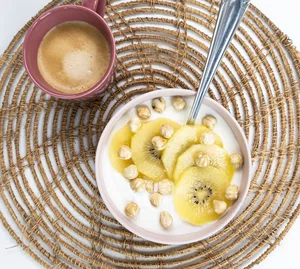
185, 233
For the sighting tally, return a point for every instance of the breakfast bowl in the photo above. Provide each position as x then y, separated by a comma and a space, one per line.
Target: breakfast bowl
115, 189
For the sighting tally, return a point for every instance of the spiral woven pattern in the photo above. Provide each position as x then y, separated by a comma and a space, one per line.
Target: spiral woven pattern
49, 201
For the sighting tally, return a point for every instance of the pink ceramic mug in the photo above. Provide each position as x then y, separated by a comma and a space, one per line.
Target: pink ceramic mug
92, 12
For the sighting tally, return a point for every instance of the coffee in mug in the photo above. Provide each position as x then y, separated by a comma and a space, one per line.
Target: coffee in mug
73, 57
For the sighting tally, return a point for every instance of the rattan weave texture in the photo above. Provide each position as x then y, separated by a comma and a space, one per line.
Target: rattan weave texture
49, 201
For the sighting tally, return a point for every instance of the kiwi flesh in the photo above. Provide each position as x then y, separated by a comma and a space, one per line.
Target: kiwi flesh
219, 158
144, 156
195, 192
121, 138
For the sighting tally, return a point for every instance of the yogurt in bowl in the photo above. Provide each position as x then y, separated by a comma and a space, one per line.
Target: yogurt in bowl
115, 188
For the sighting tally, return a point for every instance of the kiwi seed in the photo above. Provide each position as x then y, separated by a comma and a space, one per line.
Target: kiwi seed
206, 188
154, 153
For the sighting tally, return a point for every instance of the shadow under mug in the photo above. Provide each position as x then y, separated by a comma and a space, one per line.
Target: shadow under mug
91, 12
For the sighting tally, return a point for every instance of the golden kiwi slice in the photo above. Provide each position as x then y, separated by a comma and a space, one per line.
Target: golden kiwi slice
195, 192
144, 156
181, 140
121, 138
219, 158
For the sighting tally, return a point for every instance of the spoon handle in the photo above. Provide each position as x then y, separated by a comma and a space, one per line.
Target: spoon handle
229, 18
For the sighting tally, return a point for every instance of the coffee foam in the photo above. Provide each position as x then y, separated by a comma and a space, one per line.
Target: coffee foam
73, 57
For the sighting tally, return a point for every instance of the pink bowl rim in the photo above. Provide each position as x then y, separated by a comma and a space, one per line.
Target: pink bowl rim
100, 84
209, 229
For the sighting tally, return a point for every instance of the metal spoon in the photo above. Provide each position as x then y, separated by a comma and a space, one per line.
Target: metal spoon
229, 18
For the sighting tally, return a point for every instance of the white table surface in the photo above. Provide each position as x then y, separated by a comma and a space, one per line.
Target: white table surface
15, 13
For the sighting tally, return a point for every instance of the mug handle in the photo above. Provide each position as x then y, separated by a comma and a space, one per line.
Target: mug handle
96, 5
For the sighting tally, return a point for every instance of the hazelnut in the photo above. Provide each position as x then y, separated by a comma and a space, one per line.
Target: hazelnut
159, 104
207, 138
132, 209
137, 184
178, 103
143, 112
159, 143
124, 153
209, 121
202, 160
166, 219
165, 187
134, 124
166, 130
219, 206
232, 192
236, 160
155, 199
149, 186
131, 172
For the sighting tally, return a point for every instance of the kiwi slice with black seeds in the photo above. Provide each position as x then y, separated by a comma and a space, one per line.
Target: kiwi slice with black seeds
195, 192
144, 156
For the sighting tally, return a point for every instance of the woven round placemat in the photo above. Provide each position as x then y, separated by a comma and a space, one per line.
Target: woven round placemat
50, 203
